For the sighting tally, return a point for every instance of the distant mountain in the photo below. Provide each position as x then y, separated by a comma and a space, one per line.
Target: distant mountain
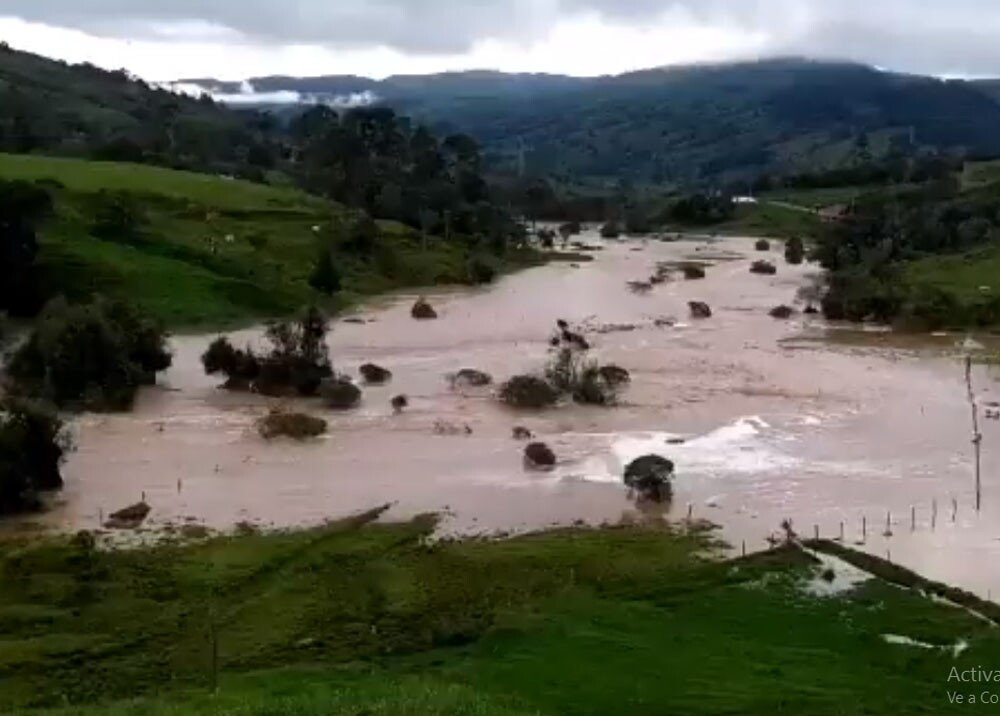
692, 125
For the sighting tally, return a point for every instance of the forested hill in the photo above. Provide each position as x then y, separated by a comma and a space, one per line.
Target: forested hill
80, 110
689, 125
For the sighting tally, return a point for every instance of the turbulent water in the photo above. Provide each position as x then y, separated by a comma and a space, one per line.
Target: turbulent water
781, 419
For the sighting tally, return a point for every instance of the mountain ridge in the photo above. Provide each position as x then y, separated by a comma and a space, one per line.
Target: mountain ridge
693, 124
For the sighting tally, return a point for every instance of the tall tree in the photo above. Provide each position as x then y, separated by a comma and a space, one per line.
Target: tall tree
22, 206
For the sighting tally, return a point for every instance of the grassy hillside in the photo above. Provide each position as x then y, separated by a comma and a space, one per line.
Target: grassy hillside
210, 250
369, 618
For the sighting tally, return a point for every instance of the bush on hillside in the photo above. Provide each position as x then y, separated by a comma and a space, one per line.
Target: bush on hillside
362, 236
23, 206
325, 278
32, 446
762, 245
297, 361
117, 216
89, 356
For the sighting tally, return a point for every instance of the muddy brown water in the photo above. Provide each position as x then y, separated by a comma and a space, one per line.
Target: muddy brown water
781, 419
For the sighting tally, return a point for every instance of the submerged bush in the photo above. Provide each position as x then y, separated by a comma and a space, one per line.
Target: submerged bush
482, 269
297, 362
91, 356
528, 391
32, 446
794, 250
585, 381
340, 393
650, 476
611, 230
281, 423
693, 272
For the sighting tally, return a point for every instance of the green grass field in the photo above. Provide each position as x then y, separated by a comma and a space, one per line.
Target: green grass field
371, 618
213, 251
961, 275
977, 174
763, 220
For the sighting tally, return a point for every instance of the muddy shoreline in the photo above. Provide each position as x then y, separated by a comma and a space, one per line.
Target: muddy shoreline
782, 419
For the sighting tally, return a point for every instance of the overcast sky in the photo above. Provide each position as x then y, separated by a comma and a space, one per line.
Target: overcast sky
233, 39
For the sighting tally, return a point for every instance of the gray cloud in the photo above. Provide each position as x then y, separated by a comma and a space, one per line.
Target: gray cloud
939, 36
422, 26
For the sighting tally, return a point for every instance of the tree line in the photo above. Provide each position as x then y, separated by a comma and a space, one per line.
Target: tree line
867, 252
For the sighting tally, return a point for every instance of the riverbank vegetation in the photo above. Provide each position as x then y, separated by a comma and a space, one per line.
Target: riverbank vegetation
371, 616
922, 258
91, 356
32, 446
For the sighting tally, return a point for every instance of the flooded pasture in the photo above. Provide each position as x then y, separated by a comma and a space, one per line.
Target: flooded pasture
779, 419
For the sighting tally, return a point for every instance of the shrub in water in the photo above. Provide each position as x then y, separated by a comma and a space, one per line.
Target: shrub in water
32, 446
528, 391
794, 250
298, 360
92, 356
299, 426
340, 393
585, 381
693, 272
611, 230
763, 267
650, 477
482, 269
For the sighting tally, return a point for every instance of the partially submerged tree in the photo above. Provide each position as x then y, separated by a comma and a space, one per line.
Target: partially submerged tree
583, 380
794, 250
89, 356
32, 446
297, 363
650, 476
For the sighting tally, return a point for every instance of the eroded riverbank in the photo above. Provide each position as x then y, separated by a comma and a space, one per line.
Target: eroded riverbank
779, 422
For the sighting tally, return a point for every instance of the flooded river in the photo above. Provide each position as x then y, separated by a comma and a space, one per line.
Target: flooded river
781, 419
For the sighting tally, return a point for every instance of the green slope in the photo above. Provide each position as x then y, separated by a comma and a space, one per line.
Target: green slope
212, 250
371, 618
